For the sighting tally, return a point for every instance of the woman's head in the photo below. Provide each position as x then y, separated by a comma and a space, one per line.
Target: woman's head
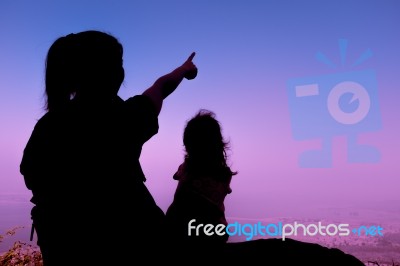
87, 64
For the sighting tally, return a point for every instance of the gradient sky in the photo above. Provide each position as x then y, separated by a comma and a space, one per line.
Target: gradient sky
246, 53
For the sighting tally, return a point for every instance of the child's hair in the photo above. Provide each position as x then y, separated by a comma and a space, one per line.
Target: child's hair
78, 62
206, 149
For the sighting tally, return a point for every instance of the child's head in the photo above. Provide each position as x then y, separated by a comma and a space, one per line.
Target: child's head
203, 137
87, 64
204, 144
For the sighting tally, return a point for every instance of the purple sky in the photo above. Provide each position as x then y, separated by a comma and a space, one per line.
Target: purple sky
246, 53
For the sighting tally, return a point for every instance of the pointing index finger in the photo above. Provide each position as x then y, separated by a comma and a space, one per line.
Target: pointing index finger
191, 56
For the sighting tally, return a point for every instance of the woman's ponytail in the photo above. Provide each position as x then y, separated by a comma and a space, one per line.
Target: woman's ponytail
60, 73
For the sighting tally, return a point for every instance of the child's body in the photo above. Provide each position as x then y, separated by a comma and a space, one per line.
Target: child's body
204, 181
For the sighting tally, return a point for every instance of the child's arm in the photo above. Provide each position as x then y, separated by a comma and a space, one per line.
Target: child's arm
166, 84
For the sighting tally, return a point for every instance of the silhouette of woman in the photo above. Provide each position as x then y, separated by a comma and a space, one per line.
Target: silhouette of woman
82, 160
204, 181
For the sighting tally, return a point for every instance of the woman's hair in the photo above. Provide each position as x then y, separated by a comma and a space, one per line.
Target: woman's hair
205, 146
78, 63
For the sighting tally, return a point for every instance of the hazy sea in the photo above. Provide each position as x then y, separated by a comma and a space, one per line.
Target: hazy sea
15, 212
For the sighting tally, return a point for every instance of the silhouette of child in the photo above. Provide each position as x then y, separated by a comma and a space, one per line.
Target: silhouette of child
82, 160
204, 181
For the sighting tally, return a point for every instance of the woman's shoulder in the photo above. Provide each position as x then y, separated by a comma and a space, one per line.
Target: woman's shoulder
45, 121
141, 107
181, 172
139, 101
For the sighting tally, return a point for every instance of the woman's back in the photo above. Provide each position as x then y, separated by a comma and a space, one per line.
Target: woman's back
82, 166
